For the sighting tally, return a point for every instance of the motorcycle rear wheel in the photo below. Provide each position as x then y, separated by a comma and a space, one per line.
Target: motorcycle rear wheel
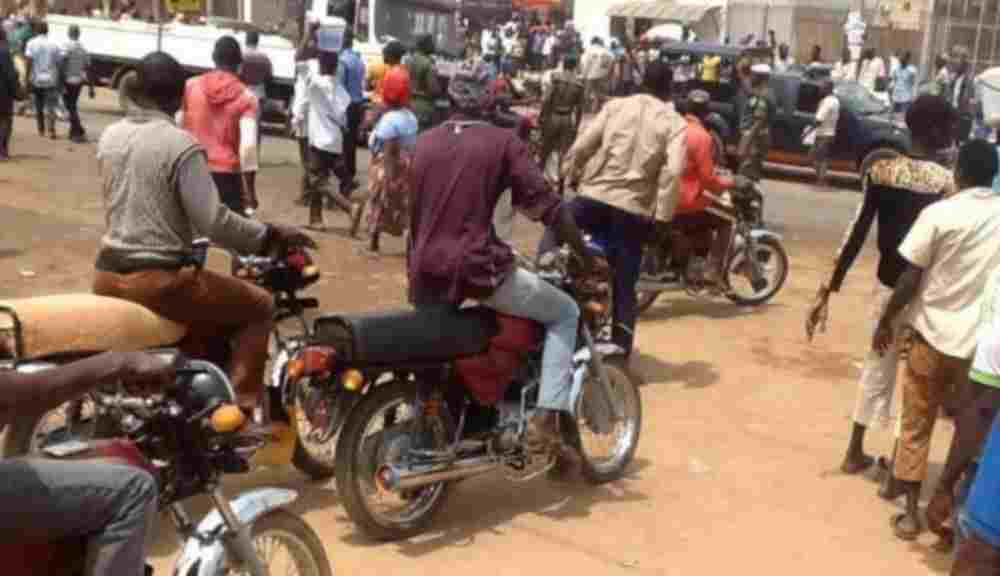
358, 458
601, 470
303, 549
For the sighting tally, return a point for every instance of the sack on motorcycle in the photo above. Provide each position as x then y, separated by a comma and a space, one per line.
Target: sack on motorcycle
488, 375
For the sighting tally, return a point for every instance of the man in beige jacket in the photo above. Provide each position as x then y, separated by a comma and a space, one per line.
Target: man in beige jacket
627, 164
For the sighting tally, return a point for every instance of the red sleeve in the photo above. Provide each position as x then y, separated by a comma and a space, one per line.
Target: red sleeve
705, 163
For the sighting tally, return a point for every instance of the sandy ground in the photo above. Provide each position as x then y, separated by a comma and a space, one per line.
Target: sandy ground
745, 423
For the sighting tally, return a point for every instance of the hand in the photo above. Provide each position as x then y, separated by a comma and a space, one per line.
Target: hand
883, 338
93, 93
290, 237
144, 373
818, 313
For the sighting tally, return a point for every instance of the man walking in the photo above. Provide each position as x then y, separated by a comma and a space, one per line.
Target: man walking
562, 111
221, 113
597, 62
351, 75
895, 191
42, 62
257, 73
755, 124
951, 250
628, 163
75, 73
8, 94
426, 88
827, 117
18, 41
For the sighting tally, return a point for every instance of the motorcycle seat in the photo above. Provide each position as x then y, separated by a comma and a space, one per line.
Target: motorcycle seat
421, 335
73, 324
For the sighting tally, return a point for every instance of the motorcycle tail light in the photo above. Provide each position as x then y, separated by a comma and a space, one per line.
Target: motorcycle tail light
353, 380
311, 361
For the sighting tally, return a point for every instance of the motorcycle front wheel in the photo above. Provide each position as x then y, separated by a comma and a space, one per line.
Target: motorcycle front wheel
382, 429
285, 544
773, 261
606, 447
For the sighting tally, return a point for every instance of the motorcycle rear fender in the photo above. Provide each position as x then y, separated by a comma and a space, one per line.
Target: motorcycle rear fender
581, 365
204, 553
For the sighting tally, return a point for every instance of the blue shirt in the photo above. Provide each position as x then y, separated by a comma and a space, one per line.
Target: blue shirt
982, 513
400, 124
351, 75
904, 83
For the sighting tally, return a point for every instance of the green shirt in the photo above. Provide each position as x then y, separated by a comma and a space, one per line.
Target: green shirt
20, 39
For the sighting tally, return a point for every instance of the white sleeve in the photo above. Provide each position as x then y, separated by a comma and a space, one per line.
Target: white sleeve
248, 145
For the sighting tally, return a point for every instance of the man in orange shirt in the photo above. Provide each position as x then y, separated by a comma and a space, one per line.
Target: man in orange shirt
221, 113
699, 208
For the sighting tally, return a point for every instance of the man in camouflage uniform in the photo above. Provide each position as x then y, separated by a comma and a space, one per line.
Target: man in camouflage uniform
562, 111
755, 124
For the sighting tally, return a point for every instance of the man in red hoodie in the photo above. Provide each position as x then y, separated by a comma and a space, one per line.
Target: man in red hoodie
221, 113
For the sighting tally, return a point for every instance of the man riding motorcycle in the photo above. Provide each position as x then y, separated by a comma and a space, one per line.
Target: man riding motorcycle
459, 171
160, 197
111, 505
701, 213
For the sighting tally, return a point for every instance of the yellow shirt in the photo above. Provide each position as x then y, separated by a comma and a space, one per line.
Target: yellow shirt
710, 66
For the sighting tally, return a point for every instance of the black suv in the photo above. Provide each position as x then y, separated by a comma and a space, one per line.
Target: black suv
866, 124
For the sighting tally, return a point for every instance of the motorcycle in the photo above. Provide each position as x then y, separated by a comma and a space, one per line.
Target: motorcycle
435, 395
284, 275
187, 438
756, 264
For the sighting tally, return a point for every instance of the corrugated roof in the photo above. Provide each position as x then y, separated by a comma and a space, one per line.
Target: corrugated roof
661, 10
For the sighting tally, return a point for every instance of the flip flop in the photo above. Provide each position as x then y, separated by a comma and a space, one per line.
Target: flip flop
900, 532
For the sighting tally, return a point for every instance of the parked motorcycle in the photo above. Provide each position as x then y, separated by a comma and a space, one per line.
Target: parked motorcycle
285, 276
187, 438
756, 264
436, 395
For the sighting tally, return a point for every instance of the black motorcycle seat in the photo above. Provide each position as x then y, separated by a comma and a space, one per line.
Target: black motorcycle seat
415, 335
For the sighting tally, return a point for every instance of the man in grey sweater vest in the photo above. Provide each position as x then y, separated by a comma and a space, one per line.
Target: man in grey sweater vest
160, 197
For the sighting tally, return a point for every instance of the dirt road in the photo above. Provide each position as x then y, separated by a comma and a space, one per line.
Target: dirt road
745, 423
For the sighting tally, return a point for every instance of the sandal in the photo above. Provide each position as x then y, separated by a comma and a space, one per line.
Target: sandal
906, 533
852, 466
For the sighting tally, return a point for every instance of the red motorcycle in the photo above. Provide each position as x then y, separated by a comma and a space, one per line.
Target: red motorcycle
187, 438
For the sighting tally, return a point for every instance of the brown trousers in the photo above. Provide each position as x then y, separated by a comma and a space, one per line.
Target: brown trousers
216, 308
976, 558
929, 380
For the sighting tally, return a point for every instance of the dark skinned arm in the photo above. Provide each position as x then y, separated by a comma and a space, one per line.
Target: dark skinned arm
974, 423
391, 160
906, 290
307, 46
568, 232
46, 390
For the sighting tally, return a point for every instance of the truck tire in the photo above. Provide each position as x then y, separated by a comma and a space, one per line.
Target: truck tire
127, 78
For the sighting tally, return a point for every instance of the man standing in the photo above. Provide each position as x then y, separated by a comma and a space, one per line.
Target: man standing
597, 62
425, 82
951, 250
827, 117
351, 75
961, 92
221, 113
257, 72
755, 124
76, 73
18, 41
42, 62
562, 110
628, 163
8, 94
895, 191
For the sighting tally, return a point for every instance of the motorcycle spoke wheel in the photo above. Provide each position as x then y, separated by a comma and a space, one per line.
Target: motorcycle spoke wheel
773, 262
608, 447
381, 430
287, 546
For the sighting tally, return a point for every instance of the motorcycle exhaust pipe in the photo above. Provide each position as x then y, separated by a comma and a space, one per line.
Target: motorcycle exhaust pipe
398, 478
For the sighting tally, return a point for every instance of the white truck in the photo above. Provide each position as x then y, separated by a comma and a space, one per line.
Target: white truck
117, 46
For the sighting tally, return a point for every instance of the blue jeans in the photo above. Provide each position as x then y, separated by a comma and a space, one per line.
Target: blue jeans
623, 236
526, 295
112, 506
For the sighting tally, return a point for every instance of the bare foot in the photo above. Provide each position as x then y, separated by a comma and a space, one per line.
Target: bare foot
856, 463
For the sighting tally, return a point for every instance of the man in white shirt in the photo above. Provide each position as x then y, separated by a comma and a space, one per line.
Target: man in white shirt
951, 250
548, 49
76, 71
597, 62
827, 117
42, 57
327, 118
855, 30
